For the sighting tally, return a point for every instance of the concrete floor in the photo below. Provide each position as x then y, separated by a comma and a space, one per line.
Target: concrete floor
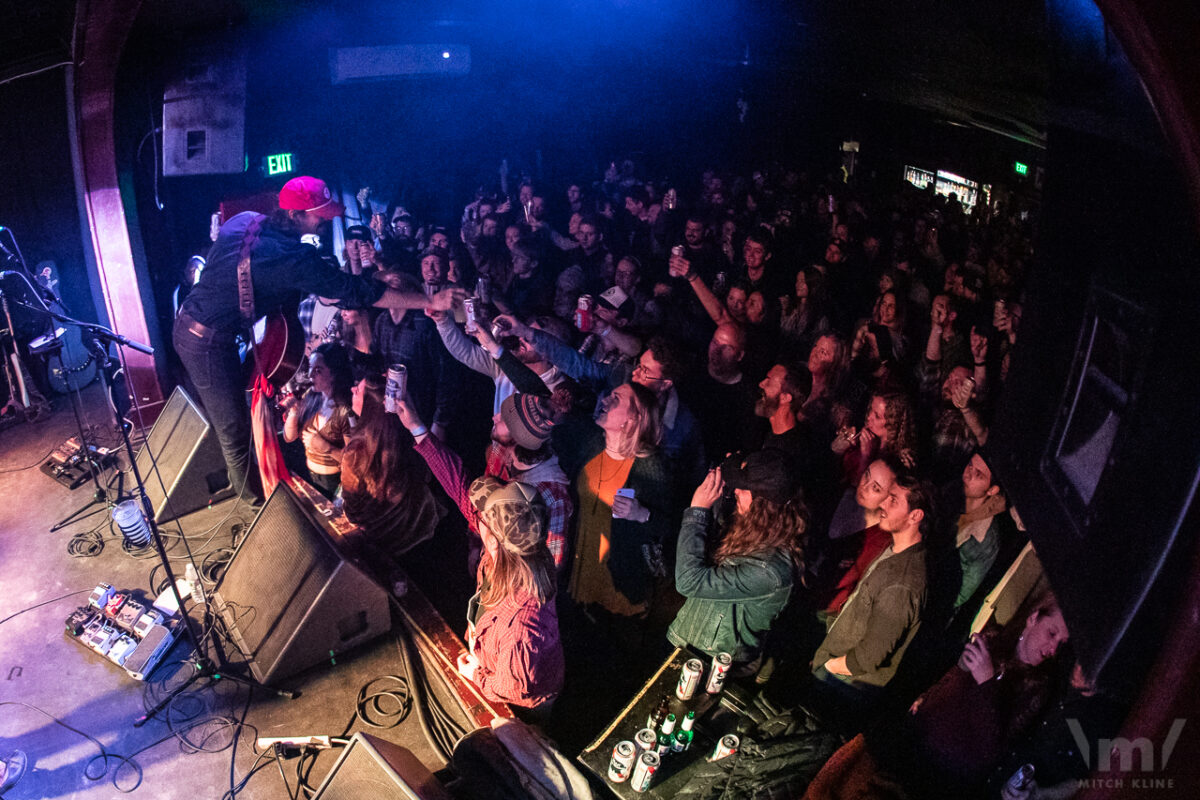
44, 675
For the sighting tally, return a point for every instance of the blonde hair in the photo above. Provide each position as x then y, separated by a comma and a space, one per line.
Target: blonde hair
648, 430
522, 563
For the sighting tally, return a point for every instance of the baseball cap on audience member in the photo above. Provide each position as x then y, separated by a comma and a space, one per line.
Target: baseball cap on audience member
360, 232
615, 299
528, 418
514, 511
763, 473
306, 193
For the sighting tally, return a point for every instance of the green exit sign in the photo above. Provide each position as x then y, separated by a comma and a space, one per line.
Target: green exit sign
1020, 169
280, 163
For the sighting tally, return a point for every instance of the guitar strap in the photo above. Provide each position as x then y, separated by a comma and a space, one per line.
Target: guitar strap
245, 284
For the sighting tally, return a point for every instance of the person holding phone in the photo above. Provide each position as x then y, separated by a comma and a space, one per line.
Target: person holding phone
736, 581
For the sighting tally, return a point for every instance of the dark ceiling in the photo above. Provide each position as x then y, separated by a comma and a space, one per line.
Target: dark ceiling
981, 64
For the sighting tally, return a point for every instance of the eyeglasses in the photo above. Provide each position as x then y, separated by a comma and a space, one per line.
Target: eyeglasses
641, 369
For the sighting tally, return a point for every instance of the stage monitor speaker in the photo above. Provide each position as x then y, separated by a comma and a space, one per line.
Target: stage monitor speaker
181, 462
378, 769
290, 598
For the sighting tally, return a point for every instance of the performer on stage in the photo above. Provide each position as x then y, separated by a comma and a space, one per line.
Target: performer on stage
282, 270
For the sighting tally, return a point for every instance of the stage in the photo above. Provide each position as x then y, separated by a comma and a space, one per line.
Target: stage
58, 678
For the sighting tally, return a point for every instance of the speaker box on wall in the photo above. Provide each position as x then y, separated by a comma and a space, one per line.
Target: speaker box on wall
378, 769
290, 597
181, 462
204, 113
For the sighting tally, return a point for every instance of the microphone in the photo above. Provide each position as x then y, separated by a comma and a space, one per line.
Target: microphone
7, 253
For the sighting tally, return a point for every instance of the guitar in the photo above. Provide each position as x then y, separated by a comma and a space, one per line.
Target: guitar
73, 367
277, 349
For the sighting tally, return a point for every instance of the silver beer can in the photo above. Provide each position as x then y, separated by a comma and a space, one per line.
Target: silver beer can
689, 678
643, 771
624, 754
397, 386
726, 747
720, 667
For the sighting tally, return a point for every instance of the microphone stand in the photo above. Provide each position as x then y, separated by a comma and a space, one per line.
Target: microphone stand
204, 667
97, 338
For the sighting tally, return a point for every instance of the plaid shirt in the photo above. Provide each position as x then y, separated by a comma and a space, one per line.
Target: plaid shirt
519, 651
447, 467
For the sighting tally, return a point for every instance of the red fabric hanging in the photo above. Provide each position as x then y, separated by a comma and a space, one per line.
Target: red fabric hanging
266, 443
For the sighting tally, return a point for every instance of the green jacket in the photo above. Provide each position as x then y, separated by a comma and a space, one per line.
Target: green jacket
728, 608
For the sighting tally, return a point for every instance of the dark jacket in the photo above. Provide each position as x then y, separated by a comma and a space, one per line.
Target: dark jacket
282, 268
728, 608
632, 545
880, 619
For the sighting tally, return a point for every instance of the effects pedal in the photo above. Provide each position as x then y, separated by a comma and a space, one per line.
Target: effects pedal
101, 595
77, 622
121, 649
142, 661
129, 615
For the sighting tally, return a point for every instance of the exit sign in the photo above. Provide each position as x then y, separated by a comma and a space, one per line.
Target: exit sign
279, 163
1020, 169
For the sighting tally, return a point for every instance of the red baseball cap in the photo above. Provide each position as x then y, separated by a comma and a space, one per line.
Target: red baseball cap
306, 193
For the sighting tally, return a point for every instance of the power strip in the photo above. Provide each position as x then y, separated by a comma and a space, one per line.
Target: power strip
317, 742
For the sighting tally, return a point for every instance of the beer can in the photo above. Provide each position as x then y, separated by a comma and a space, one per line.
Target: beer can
689, 678
583, 313
720, 667
483, 288
1021, 779
726, 747
677, 250
643, 771
646, 739
397, 385
471, 308
624, 754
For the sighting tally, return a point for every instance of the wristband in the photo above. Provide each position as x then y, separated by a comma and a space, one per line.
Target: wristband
420, 430
691, 276
981, 363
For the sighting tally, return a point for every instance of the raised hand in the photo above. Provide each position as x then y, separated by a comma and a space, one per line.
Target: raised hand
976, 660
709, 489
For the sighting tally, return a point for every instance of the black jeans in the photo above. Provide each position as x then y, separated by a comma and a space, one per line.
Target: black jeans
212, 362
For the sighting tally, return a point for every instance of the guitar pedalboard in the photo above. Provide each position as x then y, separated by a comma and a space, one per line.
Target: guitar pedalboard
130, 632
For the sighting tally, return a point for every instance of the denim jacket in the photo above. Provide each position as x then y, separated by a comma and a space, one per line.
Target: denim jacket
728, 608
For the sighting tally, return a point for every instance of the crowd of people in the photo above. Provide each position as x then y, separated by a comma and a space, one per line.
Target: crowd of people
741, 414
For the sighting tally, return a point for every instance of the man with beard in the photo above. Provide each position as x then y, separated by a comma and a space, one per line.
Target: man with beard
700, 253
781, 394
722, 398
281, 270
866, 641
